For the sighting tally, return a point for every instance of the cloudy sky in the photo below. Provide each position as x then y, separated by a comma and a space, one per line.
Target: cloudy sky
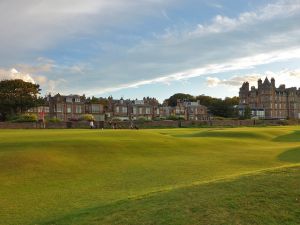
136, 48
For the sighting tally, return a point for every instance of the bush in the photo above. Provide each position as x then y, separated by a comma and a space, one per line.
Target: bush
116, 120
283, 122
142, 119
25, 118
218, 118
54, 120
158, 119
175, 118
88, 117
76, 119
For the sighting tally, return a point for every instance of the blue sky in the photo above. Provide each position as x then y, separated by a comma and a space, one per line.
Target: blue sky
137, 48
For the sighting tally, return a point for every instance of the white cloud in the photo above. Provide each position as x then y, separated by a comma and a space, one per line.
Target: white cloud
34, 25
267, 35
282, 9
213, 81
237, 64
291, 78
43, 65
47, 85
14, 74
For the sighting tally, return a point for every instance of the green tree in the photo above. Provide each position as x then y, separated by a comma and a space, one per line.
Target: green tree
220, 107
247, 113
172, 101
216, 106
17, 96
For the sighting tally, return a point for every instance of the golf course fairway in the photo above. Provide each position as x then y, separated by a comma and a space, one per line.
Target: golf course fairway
158, 176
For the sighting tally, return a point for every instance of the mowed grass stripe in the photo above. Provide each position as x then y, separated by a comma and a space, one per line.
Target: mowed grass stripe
47, 174
263, 197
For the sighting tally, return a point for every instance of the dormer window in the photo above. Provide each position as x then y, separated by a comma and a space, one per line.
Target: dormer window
69, 100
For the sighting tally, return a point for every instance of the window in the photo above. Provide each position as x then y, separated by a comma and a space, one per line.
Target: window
117, 109
95, 108
124, 110
59, 108
77, 99
78, 109
69, 100
134, 110
69, 109
140, 110
147, 110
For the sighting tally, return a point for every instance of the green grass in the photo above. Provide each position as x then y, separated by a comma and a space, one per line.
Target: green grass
169, 176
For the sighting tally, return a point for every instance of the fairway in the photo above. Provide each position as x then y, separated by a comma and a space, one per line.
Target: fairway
163, 176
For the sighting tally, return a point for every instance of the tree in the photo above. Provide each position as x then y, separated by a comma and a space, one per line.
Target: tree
172, 101
220, 107
216, 106
17, 96
247, 113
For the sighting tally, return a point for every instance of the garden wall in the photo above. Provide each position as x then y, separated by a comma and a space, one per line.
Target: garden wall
148, 124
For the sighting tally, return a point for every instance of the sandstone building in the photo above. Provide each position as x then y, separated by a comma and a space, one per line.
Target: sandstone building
269, 102
74, 107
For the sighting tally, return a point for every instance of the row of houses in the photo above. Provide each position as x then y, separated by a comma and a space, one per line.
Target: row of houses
264, 102
74, 107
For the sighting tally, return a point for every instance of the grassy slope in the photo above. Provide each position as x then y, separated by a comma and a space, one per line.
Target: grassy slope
49, 174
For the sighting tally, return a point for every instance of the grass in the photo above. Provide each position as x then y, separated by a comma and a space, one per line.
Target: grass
169, 176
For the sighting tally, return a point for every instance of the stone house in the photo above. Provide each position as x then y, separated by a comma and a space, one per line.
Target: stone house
73, 107
191, 110
119, 110
70, 107
269, 102
95, 108
148, 109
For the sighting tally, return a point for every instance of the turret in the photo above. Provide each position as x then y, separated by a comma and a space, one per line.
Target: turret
259, 83
273, 82
245, 87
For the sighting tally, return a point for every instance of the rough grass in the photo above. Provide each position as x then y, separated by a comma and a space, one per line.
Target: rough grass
87, 176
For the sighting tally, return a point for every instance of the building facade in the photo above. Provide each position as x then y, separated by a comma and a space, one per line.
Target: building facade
194, 111
74, 107
66, 108
269, 102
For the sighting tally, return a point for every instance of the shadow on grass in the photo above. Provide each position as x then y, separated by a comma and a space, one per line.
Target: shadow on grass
292, 137
292, 155
225, 134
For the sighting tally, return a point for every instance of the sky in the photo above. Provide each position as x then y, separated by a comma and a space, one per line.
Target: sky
138, 48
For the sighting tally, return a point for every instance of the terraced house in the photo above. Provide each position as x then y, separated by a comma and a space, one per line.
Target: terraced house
269, 102
74, 107
70, 107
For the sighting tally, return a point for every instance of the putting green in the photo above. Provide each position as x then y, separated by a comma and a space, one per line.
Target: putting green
47, 175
